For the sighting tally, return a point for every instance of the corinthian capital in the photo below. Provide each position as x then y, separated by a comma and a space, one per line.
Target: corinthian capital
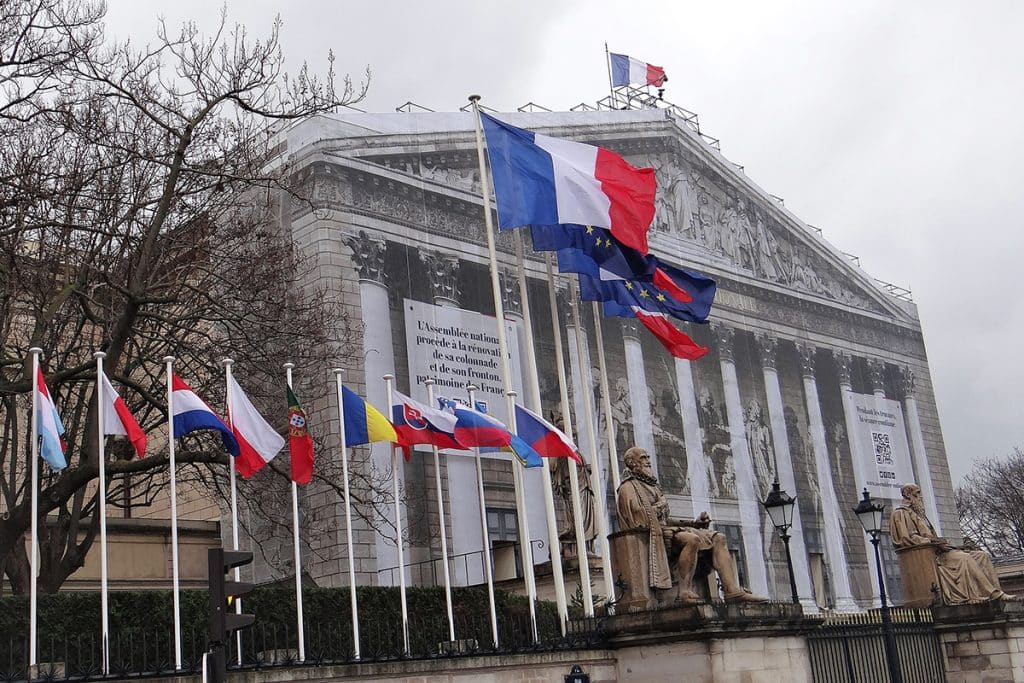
844, 365
725, 337
510, 294
368, 256
630, 328
443, 274
769, 348
807, 353
907, 381
877, 369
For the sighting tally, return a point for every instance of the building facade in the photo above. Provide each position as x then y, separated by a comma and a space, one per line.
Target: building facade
817, 373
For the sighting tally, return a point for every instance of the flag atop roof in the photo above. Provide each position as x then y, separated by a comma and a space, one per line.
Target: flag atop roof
628, 70
541, 180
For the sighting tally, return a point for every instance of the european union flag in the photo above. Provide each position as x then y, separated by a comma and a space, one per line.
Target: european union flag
689, 295
593, 251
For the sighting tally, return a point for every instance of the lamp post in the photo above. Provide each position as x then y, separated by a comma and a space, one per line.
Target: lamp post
869, 512
780, 506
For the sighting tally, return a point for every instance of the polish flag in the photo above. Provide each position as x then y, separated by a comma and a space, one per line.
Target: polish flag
258, 442
118, 420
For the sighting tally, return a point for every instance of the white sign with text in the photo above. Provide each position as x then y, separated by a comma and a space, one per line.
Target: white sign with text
881, 454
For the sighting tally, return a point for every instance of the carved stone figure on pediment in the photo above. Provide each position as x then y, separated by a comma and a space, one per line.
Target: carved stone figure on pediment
727, 233
674, 212
747, 247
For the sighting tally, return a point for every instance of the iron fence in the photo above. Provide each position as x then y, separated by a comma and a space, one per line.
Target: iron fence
850, 648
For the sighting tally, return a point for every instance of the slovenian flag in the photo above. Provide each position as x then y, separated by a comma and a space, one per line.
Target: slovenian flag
626, 70
258, 442
417, 423
476, 429
543, 437
118, 420
49, 426
541, 180
190, 413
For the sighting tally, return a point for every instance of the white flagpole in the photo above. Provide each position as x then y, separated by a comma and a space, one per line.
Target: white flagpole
606, 400
102, 457
506, 370
297, 553
388, 379
353, 602
440, 515
600, 496
525, 540
488, 570
533, 384
611, 83
33, 659
176, 590
582, 559
227, 363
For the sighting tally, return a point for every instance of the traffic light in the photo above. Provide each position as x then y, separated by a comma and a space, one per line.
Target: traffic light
222, 618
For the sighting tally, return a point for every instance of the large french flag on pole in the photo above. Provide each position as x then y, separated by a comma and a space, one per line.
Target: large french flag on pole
118, 420
627, 70
258, 442
50, 428
541, 180
190, 413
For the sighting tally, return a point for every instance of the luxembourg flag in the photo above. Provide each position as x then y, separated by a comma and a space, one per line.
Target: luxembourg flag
258, 442
50, 428
627, 70
541, 180
190, 413
118, 420
545, 438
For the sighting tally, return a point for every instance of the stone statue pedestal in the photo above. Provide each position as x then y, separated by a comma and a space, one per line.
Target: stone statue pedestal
982, 641
918, 571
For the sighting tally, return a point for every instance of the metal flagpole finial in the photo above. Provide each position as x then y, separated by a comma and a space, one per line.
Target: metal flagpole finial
338, 372
513, 393
288, 366
227, 362
99, 354
474, 98
471, 387
388, 376
428, 382
168, 359
35, 350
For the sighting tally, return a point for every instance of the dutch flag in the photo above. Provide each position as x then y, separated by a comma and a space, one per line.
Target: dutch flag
190, 413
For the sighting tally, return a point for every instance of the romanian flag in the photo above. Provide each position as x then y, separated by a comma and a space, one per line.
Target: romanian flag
364, 423
300, 441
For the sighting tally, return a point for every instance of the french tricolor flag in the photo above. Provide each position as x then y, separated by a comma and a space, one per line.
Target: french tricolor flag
118, 420
541, 180
627, 70
190, 413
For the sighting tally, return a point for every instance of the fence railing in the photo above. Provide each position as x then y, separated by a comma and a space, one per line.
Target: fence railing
465, 569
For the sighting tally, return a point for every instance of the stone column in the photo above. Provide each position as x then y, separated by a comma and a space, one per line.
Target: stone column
533, 480
830, 512
922, 471
696, 460
748, 497
844, 364
769, 348
379, 354
639, 394
464, 506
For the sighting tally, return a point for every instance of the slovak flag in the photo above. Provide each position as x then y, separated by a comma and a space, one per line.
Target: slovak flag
190, 413
258, 442
545, 438
627, 70
418, 423
118, 420
541, 180
49, 426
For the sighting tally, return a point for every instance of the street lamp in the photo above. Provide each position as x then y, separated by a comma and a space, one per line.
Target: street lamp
780, 506
869, 512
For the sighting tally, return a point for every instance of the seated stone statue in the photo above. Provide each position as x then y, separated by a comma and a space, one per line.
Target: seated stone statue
642, 505
964, 575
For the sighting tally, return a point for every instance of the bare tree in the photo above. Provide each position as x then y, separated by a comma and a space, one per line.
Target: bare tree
990, 503
140, 189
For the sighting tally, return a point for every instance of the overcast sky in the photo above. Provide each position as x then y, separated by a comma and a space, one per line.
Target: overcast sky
895, 127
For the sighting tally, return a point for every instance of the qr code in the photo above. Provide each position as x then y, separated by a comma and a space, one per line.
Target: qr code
883, 448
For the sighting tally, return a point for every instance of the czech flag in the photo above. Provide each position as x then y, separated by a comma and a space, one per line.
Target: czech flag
364, 423
417, 423
627, 70
543, 437
541, 180
190, 413
49, 426
118, 420
258, 442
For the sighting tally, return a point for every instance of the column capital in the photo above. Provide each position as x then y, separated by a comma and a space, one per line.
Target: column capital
844, 365
630, 328
725, 337
368, 256
443, 274
806, 352
907, 381
511, 300
876, 367
769, 349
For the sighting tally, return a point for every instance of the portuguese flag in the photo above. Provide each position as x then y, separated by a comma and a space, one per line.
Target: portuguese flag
300, 443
